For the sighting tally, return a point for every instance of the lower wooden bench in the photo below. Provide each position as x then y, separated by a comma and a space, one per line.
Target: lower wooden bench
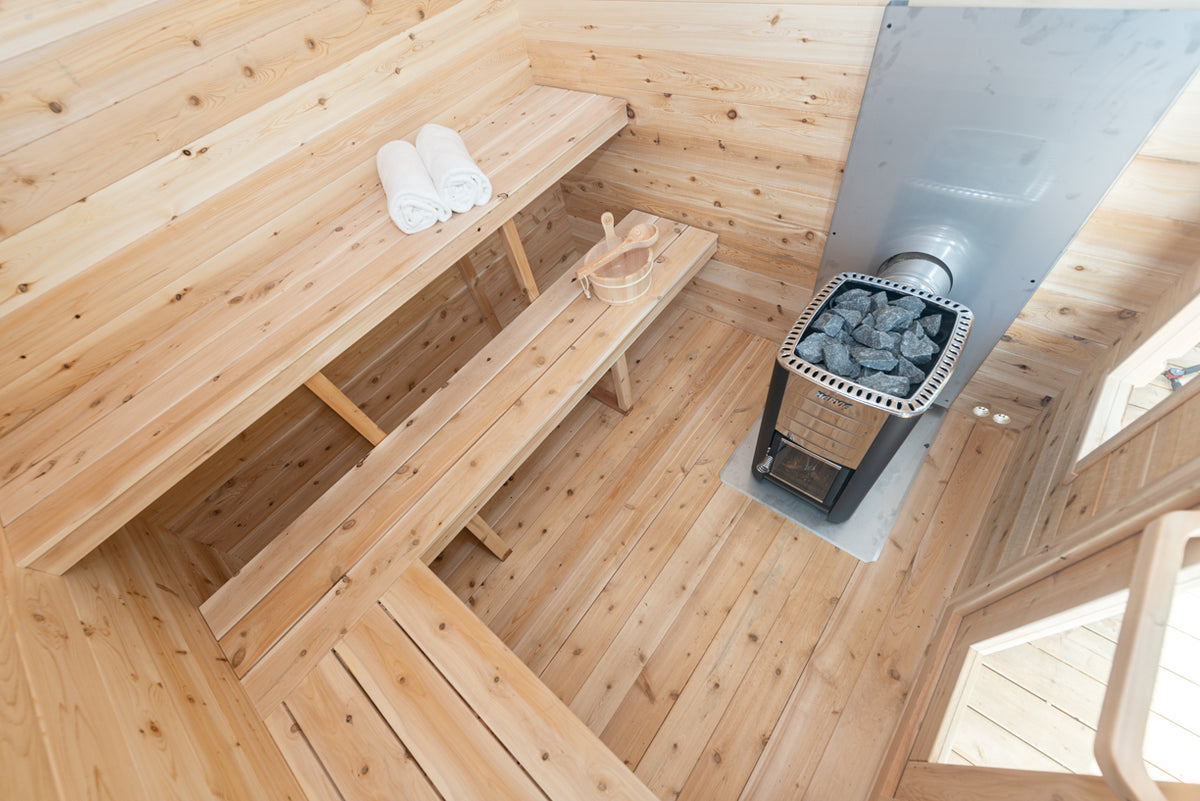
421, 700
424, 482
340, 605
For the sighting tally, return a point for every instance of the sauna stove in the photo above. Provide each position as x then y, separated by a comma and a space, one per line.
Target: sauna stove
826, 436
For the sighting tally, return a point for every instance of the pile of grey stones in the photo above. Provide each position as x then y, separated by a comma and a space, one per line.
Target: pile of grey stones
877, 342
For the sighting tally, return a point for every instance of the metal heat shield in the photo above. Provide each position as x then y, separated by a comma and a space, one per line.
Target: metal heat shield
987, 136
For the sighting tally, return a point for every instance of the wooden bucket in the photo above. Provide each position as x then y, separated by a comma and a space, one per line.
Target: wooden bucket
626, 278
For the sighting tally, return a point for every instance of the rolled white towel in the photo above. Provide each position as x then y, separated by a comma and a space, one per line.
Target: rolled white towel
412, 200
459, 181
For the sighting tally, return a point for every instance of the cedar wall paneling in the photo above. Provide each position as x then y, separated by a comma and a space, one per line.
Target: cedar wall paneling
146, 147
740, 121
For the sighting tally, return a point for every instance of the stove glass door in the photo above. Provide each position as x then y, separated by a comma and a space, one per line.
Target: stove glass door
805, 472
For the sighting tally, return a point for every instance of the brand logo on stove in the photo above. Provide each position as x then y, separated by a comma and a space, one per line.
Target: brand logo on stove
832, 401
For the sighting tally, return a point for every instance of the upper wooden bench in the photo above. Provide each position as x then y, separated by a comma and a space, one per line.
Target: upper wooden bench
81, 467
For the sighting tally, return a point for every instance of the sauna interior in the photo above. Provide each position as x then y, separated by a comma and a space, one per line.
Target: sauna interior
244, 558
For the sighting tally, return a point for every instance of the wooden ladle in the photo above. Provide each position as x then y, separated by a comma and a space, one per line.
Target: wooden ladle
642, 235
610, 236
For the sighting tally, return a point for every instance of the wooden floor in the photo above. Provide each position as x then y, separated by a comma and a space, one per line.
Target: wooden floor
721, 651
1035, 706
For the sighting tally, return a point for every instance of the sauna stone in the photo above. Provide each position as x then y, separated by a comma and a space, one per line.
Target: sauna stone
866, 337
908, 302
874, 358
886, 383
829, 323
932, 323
916, 346
893, 318
837, 359
874, 338
810, 348
914, 374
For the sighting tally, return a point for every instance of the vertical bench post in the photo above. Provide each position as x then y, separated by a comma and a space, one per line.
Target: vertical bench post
621, 386
518, 259
471, 277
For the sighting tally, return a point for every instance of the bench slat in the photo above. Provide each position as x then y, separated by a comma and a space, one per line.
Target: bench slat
461, 757
79, 490
356, 747
466, 485
554, 746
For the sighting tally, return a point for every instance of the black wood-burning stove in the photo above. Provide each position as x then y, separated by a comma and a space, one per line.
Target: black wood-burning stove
828, 436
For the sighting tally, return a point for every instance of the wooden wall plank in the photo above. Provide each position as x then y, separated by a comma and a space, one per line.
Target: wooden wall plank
1128, 466
842, 35
106, 64
1178, 135
166, 115
28, 24
742, 78
1158, 187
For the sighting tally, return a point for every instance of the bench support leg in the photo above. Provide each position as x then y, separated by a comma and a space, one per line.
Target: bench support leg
333, 397
485, 306
621, 396
518, 260
621, 385
488, 536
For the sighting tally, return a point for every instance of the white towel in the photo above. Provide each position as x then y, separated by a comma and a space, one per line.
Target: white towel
459, 181
412, 200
